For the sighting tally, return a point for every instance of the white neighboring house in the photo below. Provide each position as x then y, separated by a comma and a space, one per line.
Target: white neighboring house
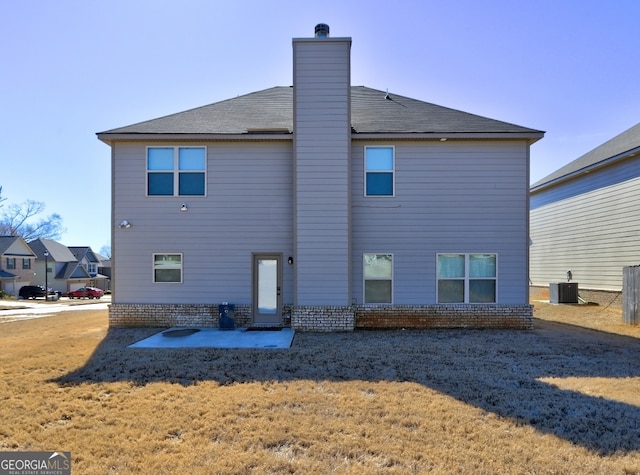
585, 219
321, 205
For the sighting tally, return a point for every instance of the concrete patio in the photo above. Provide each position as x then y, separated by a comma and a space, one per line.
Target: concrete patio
179, 337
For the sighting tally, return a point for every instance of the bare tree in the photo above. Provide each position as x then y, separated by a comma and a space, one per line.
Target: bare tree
17, 220
105, 251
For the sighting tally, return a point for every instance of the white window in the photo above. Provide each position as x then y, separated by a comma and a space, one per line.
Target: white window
378, 278
467, 278
92, 268
379, 167
167, 268
176, 171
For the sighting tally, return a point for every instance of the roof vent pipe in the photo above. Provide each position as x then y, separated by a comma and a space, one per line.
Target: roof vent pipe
322, 30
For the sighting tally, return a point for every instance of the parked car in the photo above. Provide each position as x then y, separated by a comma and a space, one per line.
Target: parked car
86, 292
31, 292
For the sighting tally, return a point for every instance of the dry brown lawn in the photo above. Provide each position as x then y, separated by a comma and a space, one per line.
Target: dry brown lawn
559, 399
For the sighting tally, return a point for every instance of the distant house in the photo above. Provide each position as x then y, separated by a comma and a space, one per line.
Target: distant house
323, 205
65, 272
17, 264
584, 217
105, 269
92, 264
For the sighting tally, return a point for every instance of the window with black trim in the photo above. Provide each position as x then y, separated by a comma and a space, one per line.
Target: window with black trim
176, 171
11, 262
26, 263
467, 278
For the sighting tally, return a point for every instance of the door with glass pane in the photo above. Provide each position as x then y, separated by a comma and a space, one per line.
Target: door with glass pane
267, 282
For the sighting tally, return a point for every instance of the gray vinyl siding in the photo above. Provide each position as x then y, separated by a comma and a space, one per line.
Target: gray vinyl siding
321, 170
594, 234
457, 197
615, 173
248, 208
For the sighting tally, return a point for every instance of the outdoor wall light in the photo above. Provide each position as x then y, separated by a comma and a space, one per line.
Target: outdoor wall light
125, 224
184, 207
290, 260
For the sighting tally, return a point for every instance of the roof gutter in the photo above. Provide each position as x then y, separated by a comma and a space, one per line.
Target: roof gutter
252, 135
109, 138
531, 137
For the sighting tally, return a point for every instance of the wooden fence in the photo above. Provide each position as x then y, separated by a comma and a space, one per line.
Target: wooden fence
630, 294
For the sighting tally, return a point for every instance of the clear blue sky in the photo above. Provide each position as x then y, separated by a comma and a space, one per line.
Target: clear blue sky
74, 68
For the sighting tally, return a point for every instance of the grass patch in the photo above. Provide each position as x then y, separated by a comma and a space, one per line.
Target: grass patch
558, 399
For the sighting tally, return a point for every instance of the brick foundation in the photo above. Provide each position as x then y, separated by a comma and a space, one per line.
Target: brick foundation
175, 315
331, 318
323, 318
445, 316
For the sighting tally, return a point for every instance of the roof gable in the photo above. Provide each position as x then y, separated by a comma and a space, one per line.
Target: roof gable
15, 246
271, 110
81, 252
72, 270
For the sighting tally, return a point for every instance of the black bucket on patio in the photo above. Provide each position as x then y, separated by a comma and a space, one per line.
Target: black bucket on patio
226, 312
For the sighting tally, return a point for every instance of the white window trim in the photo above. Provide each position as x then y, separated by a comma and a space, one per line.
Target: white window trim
364, 279
176, 172
153, 266
466, 277
393, 172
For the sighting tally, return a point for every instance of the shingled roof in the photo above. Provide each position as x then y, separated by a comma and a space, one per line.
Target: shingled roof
621, 146
271, 111
57, 252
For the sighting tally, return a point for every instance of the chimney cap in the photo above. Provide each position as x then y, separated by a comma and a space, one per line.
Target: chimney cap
322, 30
